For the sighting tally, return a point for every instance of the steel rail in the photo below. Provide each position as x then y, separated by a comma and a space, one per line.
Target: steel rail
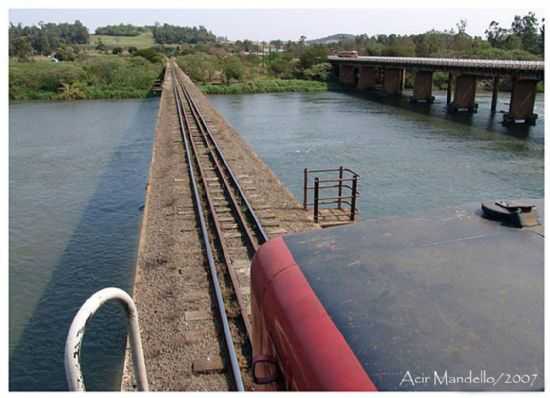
230, 346
233, 201
262, 234
219, 233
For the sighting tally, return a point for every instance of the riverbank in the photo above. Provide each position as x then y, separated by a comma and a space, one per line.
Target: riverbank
95, 77
265, 86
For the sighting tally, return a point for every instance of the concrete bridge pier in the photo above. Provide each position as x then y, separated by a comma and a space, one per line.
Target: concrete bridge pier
393, 81
522, 102
465, 94
367, 78
347, 75
423, 87
494, 98
449, 88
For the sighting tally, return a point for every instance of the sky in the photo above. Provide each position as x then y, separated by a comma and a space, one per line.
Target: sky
283, 24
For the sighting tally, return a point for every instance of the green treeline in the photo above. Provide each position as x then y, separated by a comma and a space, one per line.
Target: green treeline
524, 40
92, 78
125, 59
45, 38
120, 30
170, 34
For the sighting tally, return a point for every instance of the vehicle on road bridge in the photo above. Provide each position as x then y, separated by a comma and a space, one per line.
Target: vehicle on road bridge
348, 54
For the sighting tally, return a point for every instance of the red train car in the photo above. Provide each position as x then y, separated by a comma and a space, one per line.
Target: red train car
447, 300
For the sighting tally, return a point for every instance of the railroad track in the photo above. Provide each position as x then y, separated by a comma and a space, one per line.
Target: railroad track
230, 228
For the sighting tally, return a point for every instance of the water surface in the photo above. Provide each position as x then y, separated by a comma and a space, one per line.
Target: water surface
77, 178
409, 157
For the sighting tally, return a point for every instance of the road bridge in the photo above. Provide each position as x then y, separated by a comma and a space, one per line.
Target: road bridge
388, 74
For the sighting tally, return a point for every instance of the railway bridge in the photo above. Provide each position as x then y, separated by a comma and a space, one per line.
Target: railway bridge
388, 74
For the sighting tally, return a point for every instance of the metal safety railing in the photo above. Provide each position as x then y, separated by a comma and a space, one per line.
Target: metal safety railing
73, 344
345, 183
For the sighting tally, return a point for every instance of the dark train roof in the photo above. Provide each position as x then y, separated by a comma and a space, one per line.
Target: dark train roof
446, 291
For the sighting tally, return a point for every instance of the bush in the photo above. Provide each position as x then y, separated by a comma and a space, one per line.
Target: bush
150, 54
318, 72
41, 79
72, 91
233, 69
67, 53
98, 77
264, 86
200, 67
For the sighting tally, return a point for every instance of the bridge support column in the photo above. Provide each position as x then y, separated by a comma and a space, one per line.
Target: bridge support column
494, 98
347, 74
393, 81
465, 94
367, 78
449, 88
522, 102
423, 87
336, 71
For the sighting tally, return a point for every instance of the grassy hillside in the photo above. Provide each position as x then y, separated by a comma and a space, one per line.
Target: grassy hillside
145, 40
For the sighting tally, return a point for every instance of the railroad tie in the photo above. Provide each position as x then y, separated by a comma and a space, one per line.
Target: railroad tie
241, 264
232, 235
190, 316
209, 364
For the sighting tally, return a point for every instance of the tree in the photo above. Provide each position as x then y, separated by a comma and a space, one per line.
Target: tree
496, 35
22, 48
120, 30
171, 34
47, 37
233, 69
526, 28
541, 38
461, 26
312, 55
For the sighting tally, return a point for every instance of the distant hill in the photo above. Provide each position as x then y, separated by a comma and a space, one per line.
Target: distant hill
331, 39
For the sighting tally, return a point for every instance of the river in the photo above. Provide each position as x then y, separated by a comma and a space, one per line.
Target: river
78, 173
77, 178
410, 157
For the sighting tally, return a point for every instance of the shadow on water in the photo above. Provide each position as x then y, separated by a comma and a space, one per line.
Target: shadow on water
100, 253
494, 121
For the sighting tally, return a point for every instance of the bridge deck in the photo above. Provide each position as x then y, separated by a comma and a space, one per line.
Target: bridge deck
483, 65
172, 285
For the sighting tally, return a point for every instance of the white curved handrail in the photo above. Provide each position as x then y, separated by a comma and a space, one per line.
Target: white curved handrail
73, 344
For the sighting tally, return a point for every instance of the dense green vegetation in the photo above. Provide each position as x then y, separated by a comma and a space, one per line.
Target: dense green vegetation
45, 38
220, 71
523, 40
264, 86
220, 66
91, 78
170, 34
120, 30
